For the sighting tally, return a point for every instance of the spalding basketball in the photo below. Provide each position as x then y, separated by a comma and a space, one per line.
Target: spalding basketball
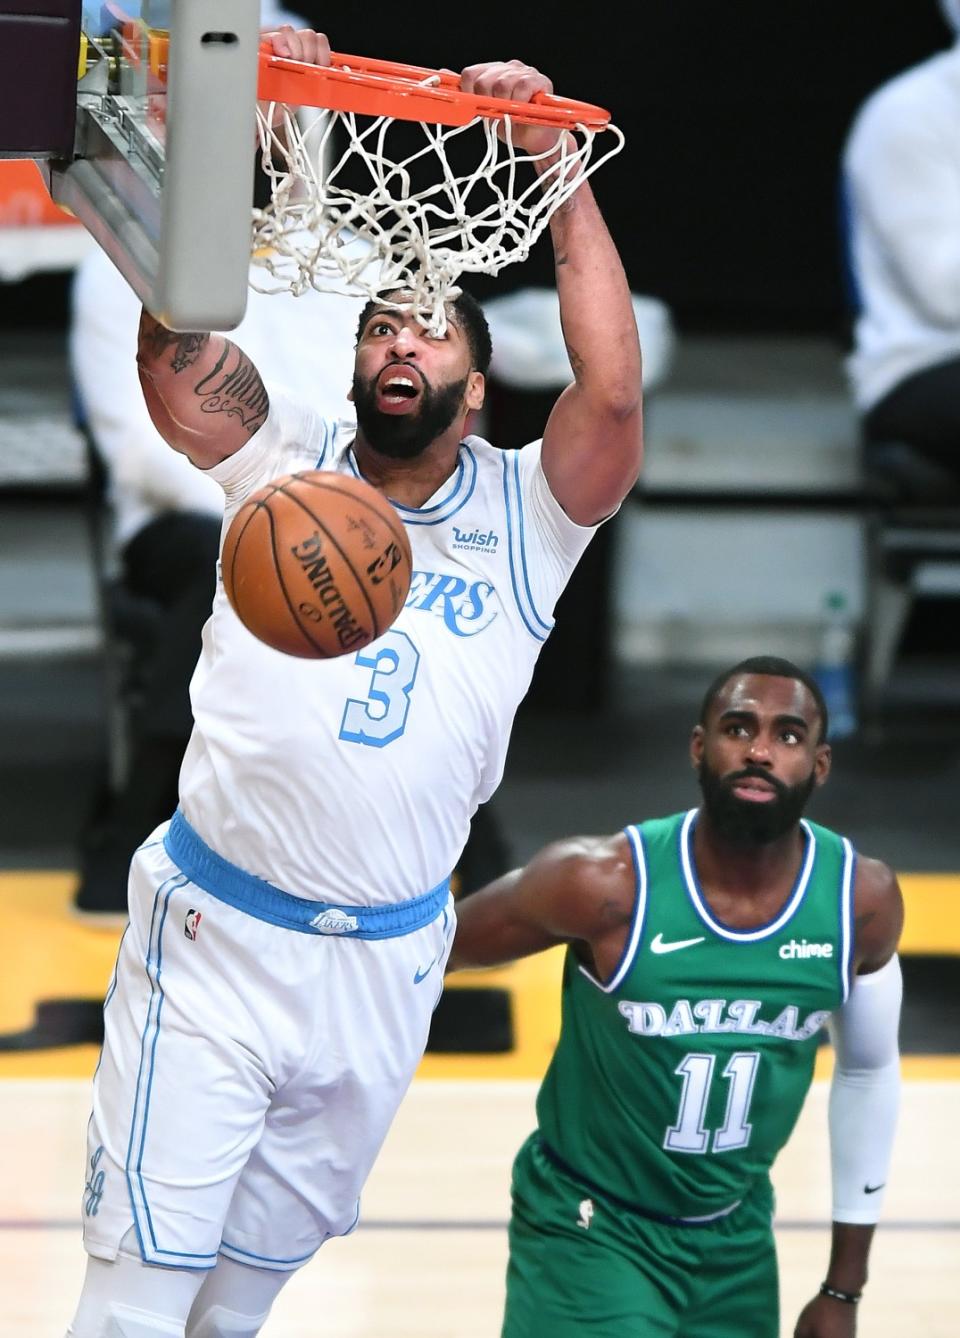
316, 564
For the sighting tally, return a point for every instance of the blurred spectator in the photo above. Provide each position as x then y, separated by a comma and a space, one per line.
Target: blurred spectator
902, 193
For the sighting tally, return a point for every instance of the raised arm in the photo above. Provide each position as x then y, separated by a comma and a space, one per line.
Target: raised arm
593, 441
864, 1101
574, 891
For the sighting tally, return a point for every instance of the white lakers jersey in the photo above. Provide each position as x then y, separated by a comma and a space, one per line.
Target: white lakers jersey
354, 780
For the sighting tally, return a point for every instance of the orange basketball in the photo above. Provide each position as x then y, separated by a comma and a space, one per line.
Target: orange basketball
316, 564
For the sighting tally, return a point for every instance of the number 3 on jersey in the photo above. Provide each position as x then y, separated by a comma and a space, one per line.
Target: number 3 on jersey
381, 716
689, 1134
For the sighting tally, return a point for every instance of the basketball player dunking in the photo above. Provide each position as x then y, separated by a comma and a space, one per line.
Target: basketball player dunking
290, 926
707, 950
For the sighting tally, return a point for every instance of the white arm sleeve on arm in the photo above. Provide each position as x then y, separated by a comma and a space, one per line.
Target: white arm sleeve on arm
865, 1093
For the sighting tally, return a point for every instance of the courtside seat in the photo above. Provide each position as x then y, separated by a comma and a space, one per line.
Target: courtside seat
912, 543
49, 596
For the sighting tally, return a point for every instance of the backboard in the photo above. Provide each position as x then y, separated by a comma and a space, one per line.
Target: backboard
163, 164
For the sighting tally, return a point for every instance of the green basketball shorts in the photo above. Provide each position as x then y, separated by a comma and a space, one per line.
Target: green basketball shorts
580, 1267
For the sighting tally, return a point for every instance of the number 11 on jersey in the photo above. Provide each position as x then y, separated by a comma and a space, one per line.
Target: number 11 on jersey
690, 1134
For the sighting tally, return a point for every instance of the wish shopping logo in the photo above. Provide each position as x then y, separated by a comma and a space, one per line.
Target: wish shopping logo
483, 541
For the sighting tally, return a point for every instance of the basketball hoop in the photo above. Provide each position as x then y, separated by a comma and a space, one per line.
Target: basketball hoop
378, 216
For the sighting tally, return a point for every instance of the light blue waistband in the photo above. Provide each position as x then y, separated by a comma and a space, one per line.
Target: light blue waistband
257, 897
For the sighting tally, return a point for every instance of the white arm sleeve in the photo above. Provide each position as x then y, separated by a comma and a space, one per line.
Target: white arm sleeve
865, 1093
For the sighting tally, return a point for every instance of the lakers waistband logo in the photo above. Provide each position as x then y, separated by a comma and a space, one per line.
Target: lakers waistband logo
334, 921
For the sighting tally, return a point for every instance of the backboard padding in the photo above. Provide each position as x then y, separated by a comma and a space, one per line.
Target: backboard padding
39, 40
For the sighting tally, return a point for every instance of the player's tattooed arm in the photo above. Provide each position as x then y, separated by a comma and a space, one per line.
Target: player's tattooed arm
155, 340
205, 396
234, 387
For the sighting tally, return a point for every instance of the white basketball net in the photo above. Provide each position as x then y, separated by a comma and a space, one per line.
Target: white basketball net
389, 232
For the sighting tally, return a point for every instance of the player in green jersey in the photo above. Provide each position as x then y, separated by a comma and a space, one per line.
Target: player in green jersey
706, 952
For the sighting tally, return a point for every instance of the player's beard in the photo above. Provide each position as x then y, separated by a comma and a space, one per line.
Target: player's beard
746, 823
407, 435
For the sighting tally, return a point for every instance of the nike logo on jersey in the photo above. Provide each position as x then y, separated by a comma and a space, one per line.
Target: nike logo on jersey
422, 975
872, 1189
659, 946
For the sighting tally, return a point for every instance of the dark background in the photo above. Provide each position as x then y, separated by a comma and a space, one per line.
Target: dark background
723, 201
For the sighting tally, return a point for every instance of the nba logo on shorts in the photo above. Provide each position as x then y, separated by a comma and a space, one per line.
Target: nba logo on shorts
191, 924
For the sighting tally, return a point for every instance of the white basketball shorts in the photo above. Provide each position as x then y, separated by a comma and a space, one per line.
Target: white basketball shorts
253, 1060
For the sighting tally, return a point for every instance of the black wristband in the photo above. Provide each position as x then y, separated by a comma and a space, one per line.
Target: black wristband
851, 1298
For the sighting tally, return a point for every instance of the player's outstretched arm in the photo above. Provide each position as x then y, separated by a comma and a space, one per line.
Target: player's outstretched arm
593, 442
575, 890
864, 1101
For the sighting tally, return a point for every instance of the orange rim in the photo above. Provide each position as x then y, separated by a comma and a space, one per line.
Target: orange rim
390, 88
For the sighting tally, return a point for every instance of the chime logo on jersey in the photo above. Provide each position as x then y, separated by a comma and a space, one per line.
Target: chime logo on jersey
462, 605
805, 949
717, 1015
191, 924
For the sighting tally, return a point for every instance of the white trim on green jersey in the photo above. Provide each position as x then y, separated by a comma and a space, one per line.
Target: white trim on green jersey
636, 926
